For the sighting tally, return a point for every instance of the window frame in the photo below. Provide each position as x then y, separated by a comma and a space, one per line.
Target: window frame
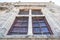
23, 10
48, 26
12, 27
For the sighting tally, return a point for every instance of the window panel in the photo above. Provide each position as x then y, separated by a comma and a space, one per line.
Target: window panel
40, 26
35, 24
17, 24
44, 30
19, 20
41, 20
22, 30
22, 20
20, 26
36, 30
43, 24
36, 12
24, 12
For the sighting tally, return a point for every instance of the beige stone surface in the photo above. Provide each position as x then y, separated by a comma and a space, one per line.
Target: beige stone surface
2, 39
29, 38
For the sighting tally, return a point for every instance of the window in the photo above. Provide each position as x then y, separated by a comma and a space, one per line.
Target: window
20, 26
40, 26
24, 12
35, 25
36, 12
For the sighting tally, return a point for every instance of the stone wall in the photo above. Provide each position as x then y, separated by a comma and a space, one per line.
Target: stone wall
52, 20
29, 38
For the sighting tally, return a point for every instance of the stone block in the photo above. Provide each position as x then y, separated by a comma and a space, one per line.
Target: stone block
25, 39
3, 39
13, 39
56, 39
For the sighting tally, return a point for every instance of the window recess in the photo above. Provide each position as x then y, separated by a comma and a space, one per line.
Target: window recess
20, 26
40, 26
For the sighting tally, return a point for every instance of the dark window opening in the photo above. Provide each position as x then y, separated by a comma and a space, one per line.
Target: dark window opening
20, 26
23, 12
40, 26
36, 12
